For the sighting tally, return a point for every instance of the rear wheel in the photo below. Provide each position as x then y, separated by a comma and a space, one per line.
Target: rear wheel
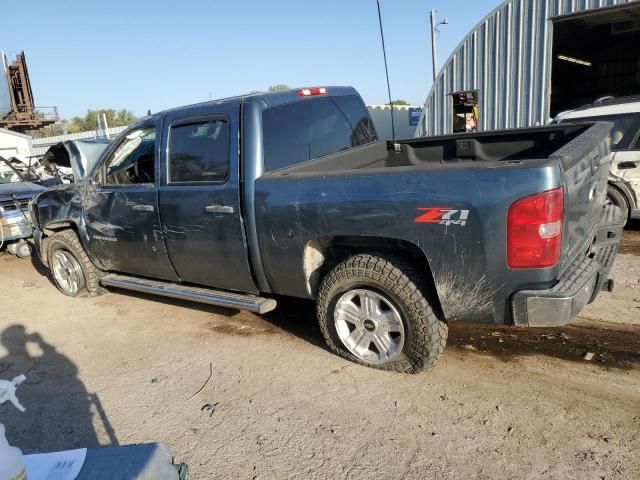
376, 312
73, 272
615, 197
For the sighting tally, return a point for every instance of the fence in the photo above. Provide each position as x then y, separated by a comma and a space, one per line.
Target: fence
41, 145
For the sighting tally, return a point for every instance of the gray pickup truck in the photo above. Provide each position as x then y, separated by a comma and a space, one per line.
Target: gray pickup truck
234, 202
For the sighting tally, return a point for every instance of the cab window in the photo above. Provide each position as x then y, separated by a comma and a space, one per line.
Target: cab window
304, 130
133, 161
199, 152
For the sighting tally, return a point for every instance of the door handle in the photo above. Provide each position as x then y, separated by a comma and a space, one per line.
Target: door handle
142, 208
218, 209
627, 165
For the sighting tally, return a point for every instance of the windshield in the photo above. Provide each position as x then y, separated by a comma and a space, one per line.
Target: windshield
8, 174
624, 131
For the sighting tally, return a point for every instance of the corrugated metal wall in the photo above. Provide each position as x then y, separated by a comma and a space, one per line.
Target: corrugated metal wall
507, 57
381, 116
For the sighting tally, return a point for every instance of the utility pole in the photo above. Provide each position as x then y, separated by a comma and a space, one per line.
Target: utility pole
434, 40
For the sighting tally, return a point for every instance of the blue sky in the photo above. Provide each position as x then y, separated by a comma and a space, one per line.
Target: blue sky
154, 55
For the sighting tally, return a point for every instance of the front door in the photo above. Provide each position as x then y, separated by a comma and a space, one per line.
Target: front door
121, 208
199, 199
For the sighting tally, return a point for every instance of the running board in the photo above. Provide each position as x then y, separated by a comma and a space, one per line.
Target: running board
202, 295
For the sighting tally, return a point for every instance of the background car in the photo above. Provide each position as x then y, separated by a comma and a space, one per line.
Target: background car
624, 180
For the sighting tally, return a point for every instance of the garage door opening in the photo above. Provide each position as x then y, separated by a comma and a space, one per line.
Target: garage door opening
595, 55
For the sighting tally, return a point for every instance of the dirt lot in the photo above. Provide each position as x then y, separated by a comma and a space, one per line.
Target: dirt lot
501, 403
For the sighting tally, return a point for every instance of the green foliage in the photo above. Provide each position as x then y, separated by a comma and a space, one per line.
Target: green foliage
279, 87
115, 118
58, 128
400, 102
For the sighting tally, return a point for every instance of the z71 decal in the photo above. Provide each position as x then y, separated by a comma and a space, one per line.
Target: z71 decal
443, 216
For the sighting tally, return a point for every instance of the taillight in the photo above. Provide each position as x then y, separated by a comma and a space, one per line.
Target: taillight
534, 230
311, 92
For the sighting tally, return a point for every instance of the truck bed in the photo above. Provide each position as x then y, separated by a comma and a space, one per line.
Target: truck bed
486, 149
378, 191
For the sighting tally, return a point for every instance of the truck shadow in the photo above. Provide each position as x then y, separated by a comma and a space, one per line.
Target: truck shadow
630, 243
40, 267
608, 346
293, 316
612, 346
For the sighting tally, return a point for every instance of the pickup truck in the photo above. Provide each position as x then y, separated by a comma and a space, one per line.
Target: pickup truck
239, 201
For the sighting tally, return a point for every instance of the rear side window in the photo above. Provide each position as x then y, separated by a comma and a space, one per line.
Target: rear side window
301, 131
199, 152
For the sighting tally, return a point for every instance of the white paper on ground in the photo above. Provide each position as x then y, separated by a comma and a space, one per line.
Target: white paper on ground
55, 466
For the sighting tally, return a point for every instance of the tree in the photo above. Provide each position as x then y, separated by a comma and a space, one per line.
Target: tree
58, 128
115, 118
400, 102
279, 87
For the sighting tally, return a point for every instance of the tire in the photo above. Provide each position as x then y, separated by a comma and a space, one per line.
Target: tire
615, 197
394, 291
23, 250
67, 257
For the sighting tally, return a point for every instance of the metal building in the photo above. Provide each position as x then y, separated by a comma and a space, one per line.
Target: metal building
531, 59
14, 144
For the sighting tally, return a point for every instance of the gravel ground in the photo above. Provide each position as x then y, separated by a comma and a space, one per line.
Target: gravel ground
501, 403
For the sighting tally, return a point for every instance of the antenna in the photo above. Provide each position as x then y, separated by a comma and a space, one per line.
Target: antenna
386, 69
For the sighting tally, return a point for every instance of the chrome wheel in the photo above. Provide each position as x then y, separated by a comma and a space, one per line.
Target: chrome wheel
369, 325
67, 272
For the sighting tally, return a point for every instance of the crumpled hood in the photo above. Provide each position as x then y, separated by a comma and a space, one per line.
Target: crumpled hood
79, 155
21, 189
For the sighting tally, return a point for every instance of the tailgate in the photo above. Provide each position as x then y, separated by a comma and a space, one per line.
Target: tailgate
585, 162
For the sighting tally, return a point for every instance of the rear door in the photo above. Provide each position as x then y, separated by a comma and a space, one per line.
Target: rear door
199, 198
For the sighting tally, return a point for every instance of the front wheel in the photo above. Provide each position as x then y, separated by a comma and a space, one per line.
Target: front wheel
375, 311
73, 272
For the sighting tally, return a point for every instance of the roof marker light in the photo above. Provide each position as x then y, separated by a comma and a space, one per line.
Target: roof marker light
311, 92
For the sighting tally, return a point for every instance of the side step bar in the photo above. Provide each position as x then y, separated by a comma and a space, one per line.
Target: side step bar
202, 295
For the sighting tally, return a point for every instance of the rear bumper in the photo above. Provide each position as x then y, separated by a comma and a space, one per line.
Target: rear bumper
578, 285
